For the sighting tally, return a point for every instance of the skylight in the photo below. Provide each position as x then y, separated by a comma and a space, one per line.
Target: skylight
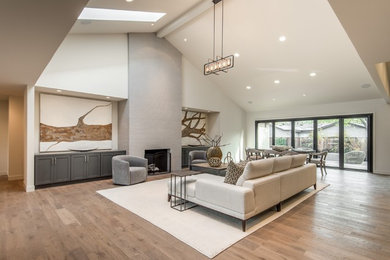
119, 15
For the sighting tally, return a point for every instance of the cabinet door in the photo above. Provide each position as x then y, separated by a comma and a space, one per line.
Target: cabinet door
93, 165
61, 172
43, 169
106, 164
78, 167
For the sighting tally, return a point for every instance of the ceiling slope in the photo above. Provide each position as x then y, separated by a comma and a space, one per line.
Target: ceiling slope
316, 42
367, 24
31, 32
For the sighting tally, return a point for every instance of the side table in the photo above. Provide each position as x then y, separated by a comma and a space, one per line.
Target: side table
178, 190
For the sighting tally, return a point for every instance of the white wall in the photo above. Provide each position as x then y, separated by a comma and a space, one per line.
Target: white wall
4, 137
15, 138
200, 93
93, 64
379, 107
155, 87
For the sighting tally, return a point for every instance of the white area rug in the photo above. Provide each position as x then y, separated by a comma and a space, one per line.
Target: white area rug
205, 230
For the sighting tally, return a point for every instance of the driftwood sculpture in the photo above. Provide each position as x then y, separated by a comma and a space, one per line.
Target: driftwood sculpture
79, 132
191, 125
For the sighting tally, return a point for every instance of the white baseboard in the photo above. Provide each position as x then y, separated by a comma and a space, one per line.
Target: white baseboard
15, 178
382, 172
29, 188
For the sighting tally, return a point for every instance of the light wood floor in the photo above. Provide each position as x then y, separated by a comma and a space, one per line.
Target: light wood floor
348, 220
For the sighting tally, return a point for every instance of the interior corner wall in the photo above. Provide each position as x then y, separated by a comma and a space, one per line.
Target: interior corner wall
201, 93
155, 96
123, 125
3, 137
381, 124
89, 63
15, 138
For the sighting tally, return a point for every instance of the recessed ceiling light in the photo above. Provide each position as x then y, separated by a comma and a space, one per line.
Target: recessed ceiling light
282, 38
365, 85
129, 1
274, 99
277, 81
313, 74
119, 15
185, 40
236, 55
108, 97
152, 24
59, 90
303, 95
248, 87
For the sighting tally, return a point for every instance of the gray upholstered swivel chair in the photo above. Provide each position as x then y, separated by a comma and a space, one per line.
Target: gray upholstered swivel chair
197, 156
128, 170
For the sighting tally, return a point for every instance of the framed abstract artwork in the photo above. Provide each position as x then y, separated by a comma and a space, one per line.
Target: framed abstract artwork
70, 123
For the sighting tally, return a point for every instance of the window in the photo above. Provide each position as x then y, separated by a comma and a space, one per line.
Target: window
283, 133
264, 135
347, 138
304, 137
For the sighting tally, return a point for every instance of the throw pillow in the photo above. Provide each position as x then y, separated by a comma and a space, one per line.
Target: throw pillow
233, 172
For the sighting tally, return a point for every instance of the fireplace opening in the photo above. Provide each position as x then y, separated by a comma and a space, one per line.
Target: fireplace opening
159, 161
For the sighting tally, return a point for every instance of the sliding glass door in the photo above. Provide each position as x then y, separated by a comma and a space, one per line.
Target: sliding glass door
283, 133
355, 143
346, 138
328, 140
304, 135
264, 135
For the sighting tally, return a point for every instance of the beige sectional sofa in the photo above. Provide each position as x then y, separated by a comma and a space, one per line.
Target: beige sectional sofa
263, 184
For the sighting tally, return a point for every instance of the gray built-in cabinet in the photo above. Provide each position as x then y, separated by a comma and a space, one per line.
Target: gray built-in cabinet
57, 168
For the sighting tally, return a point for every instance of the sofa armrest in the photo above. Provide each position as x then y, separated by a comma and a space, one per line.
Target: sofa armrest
138, 161
120, 170
232, 197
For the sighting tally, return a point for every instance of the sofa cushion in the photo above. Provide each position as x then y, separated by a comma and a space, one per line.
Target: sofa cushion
256, 169
233, 172
282, 163
298, 160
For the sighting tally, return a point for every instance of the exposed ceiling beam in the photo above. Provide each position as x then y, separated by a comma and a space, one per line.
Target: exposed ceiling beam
185, 18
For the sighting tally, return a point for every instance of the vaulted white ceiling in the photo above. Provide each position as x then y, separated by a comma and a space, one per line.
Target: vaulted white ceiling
316, 42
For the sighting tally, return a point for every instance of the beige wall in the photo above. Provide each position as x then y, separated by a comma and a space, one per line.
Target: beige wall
4, 137
15, 135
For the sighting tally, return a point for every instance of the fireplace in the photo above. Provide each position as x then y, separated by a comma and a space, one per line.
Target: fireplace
159, 161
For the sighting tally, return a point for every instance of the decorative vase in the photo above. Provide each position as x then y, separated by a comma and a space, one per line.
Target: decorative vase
214, 161
214, 151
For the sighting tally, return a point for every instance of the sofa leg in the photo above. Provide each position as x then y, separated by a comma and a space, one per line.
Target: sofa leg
315, 186
279, 206
243, 222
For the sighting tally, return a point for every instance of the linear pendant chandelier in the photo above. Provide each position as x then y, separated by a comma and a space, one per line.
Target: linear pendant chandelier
218, 63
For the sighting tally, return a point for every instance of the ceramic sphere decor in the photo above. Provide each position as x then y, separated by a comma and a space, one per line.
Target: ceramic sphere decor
214, 161
214, 152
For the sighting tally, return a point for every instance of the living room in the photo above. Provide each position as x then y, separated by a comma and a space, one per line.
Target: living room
149, 74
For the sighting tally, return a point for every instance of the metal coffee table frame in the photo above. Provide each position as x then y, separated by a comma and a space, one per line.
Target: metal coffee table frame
178, 200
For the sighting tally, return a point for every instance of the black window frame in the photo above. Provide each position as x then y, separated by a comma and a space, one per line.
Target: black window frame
370, 120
